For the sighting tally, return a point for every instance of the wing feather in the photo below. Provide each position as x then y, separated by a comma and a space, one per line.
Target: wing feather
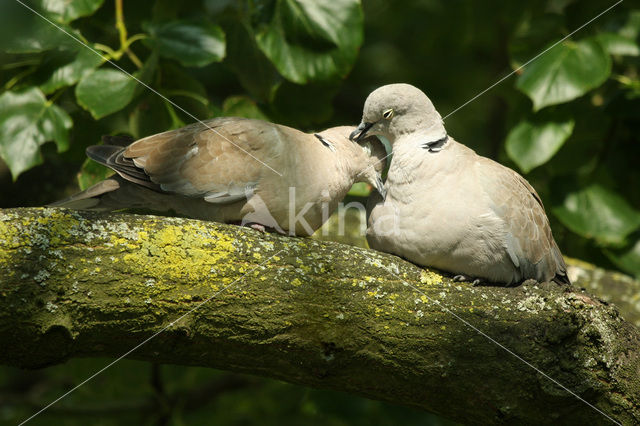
217, 160
528, 238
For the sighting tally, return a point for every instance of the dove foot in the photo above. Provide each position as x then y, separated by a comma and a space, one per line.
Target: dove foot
474, 282
260, 227
257, 227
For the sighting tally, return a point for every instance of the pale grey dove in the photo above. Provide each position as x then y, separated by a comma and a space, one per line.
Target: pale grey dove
450, 208
236, 170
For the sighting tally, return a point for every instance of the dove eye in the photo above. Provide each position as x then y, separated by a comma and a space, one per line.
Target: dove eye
388, 114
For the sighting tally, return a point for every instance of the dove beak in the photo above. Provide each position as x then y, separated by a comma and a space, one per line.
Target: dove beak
360, 132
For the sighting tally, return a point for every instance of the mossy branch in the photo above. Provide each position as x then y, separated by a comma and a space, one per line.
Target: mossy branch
322, 314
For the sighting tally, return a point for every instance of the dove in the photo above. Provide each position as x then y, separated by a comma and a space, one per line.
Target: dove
235, 170
449, 208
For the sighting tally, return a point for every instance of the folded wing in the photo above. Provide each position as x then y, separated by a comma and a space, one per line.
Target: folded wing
220, 161
528, 238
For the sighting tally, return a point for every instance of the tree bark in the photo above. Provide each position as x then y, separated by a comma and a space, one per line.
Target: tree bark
322, 314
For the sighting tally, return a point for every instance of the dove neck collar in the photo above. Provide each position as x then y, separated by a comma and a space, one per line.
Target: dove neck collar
437, 145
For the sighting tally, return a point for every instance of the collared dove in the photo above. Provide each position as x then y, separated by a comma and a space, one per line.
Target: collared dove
450, 208
236, 170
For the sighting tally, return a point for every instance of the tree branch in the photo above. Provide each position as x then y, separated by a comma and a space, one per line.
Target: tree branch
77, 284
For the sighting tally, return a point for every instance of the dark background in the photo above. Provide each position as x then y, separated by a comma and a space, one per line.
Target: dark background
569, 122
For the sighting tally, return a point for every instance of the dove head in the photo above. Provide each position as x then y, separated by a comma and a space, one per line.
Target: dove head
364, 159
399, 109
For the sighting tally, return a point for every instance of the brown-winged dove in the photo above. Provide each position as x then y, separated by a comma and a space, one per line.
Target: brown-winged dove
450, 208
236, 170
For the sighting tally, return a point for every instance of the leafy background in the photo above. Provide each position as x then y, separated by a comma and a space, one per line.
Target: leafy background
569, 121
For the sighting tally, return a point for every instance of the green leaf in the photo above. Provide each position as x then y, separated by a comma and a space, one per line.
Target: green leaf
105, 91
191, 43
177, 78
22, 31
253, 69
599, 213
627, 258
567, 71
181, 87
242, 106
616, 44
66, 11
27, 121
150, 116
631, 28
91, 173
216, 7
69, 72
360, 189
146, 73
531, 144
310, 40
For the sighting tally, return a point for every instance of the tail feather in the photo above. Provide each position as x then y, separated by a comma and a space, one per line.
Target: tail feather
113, 157
103, 154
89, 199
561, 278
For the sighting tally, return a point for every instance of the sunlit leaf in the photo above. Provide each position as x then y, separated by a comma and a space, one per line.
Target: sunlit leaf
565, 72
310, 40
105, 91
531, 144
69, 10
599, 213
22, 31
616, 44
27, 121
69, 72
191, 43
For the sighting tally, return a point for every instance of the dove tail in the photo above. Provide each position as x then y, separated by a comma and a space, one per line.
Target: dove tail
90, 199
104, 154
561, 278
113, 157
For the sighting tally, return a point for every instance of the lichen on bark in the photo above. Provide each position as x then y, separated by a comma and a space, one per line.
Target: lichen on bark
310, 312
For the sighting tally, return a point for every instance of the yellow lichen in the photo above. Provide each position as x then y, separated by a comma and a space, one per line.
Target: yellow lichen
191, 251
430, 278
305, 268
